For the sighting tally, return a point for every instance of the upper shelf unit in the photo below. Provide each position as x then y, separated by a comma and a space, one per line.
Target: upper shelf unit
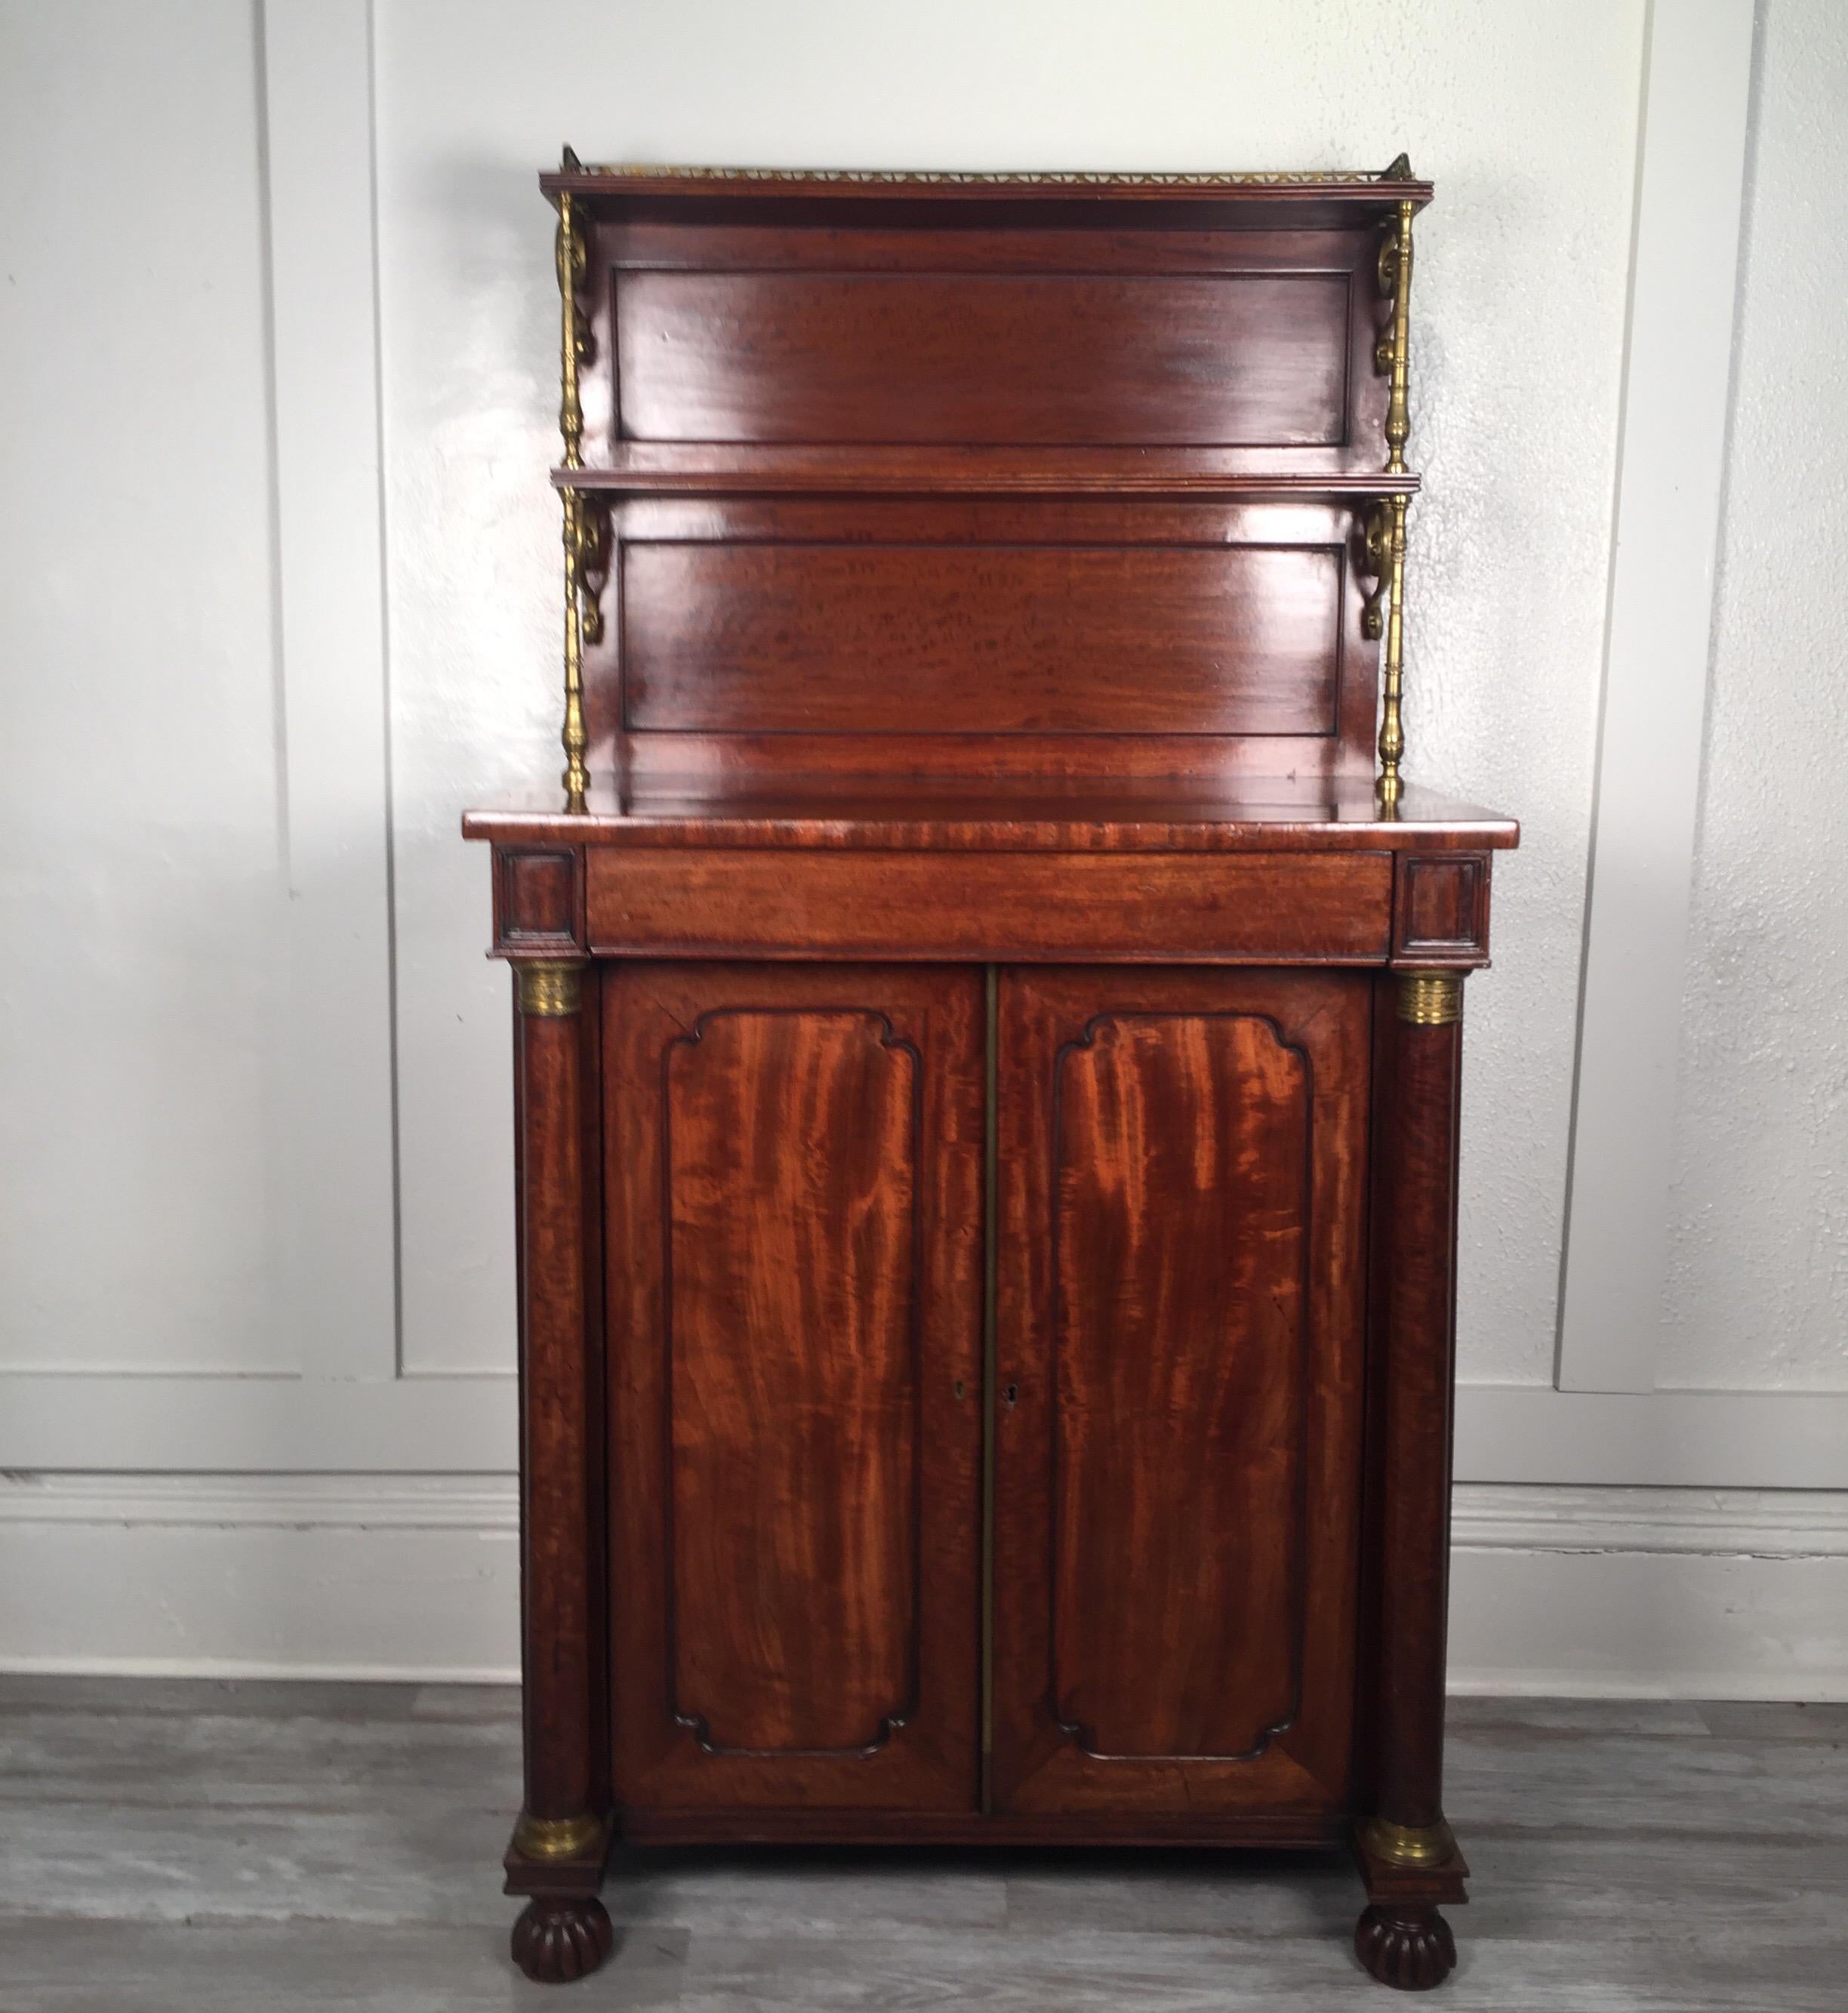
769, 332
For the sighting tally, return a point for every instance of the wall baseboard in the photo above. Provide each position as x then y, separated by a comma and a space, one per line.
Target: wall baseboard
1652, 1592
1716, 1594
355, 1576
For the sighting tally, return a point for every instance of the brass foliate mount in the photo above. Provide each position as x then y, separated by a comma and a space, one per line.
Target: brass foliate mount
1410, 1846
548, 989
556, 1838
581, 534
1429, 1000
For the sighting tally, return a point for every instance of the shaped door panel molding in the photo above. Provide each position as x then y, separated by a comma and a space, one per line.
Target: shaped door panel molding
793, 1171
1180, 1325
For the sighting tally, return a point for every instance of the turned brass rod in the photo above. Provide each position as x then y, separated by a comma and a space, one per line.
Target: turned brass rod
1397, 407
1391, 725
571, 260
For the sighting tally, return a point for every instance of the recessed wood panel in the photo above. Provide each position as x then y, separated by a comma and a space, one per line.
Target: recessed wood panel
1230, 359
793, 1313
1440, 910
1000, 639
792, 1162
1179, 1351
535, 899
1181, 1154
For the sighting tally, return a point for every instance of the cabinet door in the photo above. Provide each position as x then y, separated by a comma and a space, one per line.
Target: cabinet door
793, 1181
1180, 1344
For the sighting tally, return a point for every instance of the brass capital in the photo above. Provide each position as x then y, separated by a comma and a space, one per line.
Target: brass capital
1430, 998
1409, 1845
555, 1837
548, 990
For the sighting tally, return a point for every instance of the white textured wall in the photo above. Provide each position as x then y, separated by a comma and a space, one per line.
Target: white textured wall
1758, 1285
230, 936
138, 752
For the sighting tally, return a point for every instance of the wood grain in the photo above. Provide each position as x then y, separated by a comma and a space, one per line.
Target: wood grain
1145, 908
1180, 1272
816, 639
792, 1318
787, 632
971, 813
1413, 1317
1182, 1152
793, 1163
1254, 360
561, 1459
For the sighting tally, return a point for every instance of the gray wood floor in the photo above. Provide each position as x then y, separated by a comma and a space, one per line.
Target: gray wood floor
280, 1846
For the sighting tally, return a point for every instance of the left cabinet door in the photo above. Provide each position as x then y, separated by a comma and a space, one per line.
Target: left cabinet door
793, 1174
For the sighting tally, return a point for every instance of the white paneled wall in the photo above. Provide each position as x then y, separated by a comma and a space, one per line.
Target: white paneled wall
1758, 1280
278, 597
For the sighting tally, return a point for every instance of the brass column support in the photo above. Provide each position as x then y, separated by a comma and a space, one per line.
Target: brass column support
575, 738
1407, 1857
1392, 357
1385, 529
559, 1820
1416, 1254
562, 1836
573, 348
1392, 745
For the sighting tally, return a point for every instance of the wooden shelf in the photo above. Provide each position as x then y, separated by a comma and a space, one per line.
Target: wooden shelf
1018, 814
1247, 202
697, 469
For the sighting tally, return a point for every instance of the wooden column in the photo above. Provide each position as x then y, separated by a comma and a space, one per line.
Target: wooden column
1407, 1855
559, 1844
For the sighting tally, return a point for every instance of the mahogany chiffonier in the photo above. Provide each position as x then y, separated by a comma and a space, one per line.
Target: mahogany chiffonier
987, 1034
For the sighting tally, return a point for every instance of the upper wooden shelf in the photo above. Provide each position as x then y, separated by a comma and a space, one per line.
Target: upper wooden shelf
695, 468
1305, 199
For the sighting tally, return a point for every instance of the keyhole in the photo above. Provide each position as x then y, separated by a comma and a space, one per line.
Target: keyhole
1012, 1393
959, 1387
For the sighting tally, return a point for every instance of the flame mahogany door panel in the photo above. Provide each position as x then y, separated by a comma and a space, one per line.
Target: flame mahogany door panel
1182, 1156
793, 1159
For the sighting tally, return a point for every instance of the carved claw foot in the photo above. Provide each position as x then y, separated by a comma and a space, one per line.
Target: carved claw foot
1409, 1947
560, 1937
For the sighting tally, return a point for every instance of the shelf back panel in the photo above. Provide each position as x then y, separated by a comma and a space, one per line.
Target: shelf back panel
918, 626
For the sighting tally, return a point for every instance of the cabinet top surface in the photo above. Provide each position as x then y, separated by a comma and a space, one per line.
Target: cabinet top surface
1153, 814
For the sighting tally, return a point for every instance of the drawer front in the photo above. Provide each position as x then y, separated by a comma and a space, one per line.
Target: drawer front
1333, 908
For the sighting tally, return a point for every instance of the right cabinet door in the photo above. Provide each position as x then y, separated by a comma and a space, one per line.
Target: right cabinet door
1179, 1358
